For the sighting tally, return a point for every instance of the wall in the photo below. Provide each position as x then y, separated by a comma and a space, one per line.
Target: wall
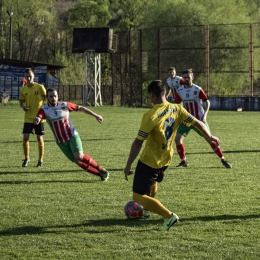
233, 103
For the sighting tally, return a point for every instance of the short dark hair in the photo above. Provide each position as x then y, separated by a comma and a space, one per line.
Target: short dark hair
188, 71
157, 87
171, 68
27, 70
51, 90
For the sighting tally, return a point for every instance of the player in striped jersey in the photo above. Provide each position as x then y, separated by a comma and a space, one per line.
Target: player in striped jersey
65, 134
158, 129
173, 82
192, 97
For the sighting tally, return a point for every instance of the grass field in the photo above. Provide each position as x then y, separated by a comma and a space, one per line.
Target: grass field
60, 212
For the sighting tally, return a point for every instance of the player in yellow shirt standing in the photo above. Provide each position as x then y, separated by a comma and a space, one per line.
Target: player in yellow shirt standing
32, 97
158, 129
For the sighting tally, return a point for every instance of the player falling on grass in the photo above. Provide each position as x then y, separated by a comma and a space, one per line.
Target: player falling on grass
32, 96
66, 136
173, 82
192, 97
158, 129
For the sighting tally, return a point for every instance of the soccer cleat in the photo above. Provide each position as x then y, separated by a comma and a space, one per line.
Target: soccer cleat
168, 222
104, 174
146, 213
25, 162
39, 164
183, 164
226, 163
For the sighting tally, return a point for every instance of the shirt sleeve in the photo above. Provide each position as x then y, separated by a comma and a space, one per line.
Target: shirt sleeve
202, 95
41, 113
145, 128
72, 106
177, 97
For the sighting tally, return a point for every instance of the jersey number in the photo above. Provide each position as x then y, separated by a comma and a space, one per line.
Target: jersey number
169, 124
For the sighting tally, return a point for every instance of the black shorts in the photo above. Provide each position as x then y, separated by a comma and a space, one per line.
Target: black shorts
145, 177
29, 127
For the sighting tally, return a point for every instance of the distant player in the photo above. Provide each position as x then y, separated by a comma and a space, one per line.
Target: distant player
173, 82
192, 97
32, 96
66, 136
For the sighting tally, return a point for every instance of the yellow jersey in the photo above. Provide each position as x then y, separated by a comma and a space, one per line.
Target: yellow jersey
158, 128
33, 97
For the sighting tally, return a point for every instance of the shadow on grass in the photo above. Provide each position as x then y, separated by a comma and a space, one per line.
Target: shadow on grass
32, 170
96, 224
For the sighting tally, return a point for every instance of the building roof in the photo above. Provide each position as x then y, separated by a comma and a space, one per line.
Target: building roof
30, 64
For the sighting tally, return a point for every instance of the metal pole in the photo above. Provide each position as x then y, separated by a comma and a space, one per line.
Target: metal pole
251, 65
207, 58
11, 36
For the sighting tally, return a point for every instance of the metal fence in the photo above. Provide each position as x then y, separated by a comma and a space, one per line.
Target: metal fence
223, 58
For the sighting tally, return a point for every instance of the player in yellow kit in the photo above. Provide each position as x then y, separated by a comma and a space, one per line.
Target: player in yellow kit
32, 97
158, 129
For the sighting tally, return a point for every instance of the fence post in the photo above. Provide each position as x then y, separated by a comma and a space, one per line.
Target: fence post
207, 57
159, 53
251, 57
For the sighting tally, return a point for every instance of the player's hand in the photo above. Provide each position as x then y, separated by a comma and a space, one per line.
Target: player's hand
25, 108
36, 120
99, 118
128, 172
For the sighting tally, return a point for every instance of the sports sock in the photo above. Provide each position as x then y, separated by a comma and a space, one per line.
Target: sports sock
41, 150
87, 159
26, 149
217, 150
88, 168
181, 151
152, 205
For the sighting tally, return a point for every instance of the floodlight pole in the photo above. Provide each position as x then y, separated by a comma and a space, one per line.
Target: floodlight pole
93, 78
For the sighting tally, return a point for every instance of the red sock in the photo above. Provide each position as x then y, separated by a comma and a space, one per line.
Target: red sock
181, 151
216, 149
87, 159
88, 168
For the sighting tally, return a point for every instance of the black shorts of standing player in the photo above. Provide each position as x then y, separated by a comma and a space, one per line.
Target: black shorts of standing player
145, 177
29, 127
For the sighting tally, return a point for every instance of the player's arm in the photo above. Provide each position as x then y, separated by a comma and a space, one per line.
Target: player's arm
22, 105
135, 149
207, 106
40, 115
90, 112
168, 91
204, 98
204, 130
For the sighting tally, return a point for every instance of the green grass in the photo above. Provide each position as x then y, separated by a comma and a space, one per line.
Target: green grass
61, 212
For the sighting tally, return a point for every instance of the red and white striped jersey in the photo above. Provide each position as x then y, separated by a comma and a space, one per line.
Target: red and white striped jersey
175, 83
58, 119
192, 99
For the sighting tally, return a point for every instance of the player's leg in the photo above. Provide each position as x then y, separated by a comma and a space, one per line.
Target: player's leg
39, 131
85, 161
144, 179
182, 132
27, 130
217, 150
